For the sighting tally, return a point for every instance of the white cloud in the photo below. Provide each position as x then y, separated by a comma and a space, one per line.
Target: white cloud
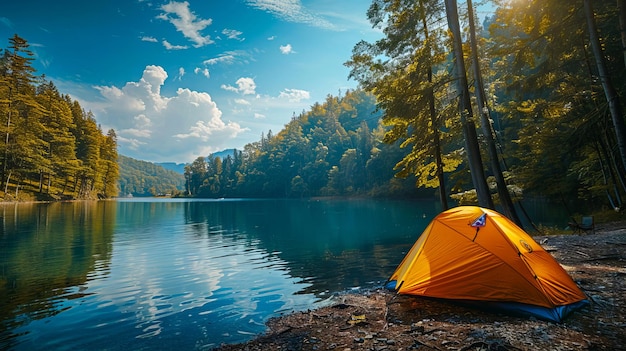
294, 95
186, 22
123, 101
149, 39
242, 102
229, 58
271, 38
203, 71
259, 116
132, 143
245, 86
286, 49
229, 88
181, 73
291, 11
137, 133
176, 128
233, 34
169, 46
142, 121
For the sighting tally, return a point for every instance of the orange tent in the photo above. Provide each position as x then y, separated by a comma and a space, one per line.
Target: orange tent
475, 254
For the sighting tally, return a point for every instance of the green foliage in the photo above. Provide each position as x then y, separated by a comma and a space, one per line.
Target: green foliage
555, 125
141, 178
334, 149
48, 144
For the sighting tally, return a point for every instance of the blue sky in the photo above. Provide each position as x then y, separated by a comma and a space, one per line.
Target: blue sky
182, 79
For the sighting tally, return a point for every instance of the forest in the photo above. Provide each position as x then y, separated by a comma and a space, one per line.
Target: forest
142, 178
335, 149
530, 103
50, 147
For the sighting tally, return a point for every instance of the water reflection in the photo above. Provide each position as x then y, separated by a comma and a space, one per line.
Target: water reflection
46, 258
330, 244
76, 274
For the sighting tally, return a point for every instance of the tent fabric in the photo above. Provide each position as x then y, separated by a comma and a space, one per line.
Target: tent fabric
471, 253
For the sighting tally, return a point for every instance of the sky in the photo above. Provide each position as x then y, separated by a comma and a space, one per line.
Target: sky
181, 79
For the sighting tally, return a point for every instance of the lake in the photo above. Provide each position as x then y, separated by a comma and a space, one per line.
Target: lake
158, 274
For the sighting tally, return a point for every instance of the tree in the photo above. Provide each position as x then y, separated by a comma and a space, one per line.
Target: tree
405, 86
20, 133
47, 139
550, 101
61, 144
615, 107
109, 167
197, 174
483, 111
88, 152
465, 109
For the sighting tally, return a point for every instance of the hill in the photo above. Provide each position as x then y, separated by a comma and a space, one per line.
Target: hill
172, 166
142, 178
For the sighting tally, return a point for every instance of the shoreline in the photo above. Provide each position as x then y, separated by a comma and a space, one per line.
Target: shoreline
383, 320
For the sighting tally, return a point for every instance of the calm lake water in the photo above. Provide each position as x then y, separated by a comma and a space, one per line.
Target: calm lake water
159, 274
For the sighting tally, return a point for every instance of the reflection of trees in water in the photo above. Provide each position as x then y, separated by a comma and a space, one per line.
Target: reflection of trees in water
45, 250
330, 244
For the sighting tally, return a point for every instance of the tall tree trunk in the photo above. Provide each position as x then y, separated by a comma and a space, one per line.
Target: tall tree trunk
6, 185
615, 107
603, 154
40, 181
443, 198
465, 109
49, 183
17, 186
485, 118
6, 142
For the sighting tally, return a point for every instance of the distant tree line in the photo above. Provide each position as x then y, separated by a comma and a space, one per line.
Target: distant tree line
335, 149
141, 178
49, 145
537, 95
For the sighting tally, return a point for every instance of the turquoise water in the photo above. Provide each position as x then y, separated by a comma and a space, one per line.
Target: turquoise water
159, 274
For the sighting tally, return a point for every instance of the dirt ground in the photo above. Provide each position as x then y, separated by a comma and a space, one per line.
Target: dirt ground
381, 320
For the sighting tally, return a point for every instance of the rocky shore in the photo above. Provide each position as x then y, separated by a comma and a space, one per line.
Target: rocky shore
381, 320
